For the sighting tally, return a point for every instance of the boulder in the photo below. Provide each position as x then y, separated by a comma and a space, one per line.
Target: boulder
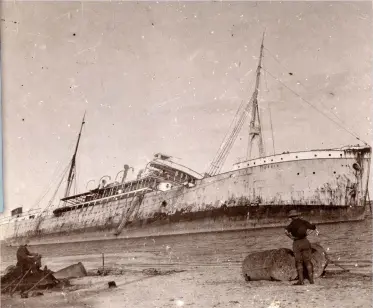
274, 264
279, 264
319, 259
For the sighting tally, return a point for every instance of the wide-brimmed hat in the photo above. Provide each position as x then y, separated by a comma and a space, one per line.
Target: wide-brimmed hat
293, 213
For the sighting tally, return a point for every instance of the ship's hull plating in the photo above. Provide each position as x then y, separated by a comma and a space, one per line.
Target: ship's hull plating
326, 186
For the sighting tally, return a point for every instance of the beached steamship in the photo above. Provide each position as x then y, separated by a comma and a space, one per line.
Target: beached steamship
169, 198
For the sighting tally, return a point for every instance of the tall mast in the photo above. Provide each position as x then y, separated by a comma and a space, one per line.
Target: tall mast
73, 162
255, 128
238, 121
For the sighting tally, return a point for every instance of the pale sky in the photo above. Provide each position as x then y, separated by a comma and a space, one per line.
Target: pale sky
168, 77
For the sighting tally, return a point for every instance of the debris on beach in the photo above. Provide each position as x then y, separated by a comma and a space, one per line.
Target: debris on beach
279, 264
16, 279
107, 271
117, 271
112, 284
30, 282
36, 293
155, 272
73, 271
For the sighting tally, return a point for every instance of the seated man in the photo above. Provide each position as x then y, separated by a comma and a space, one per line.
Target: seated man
26, 259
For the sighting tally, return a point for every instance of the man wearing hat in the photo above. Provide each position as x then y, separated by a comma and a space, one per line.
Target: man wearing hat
297, 230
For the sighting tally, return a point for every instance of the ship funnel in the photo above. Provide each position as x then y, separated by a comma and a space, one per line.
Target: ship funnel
140, 173
125, 172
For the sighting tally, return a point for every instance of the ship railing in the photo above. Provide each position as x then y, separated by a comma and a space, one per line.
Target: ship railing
177, 177
117, 197
147, 184
102, 200
113, 191
175, 181
144, 185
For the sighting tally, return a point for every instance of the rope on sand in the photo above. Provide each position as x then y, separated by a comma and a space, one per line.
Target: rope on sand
337, 264
11, 293
34, 286
2, 290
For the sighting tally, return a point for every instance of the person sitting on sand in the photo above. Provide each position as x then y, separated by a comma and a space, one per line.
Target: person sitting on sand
297, 230
26, 259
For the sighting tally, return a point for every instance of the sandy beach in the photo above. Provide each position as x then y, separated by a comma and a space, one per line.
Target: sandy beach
190, 285
202, 270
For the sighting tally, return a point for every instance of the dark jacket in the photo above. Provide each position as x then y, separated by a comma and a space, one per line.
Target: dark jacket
23, 254
298, 228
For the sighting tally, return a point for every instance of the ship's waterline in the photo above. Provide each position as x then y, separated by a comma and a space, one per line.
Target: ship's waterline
207, 225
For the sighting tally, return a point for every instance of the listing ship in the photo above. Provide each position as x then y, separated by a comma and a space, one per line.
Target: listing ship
168, 198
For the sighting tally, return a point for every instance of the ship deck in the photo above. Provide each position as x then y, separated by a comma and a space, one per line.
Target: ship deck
302, 155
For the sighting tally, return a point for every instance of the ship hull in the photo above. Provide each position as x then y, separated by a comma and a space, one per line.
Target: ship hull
203, 222
326, 186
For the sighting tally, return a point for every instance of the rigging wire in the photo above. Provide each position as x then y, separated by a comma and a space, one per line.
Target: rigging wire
334, 114
314, 107
266, 83
242, 105
224, 150
54, 179
75, 188
76, 179
230, 136
39, 200
55, 192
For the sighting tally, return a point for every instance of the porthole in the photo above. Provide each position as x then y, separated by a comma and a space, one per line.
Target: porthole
330, 154
296, 156
340, 155
282, 158
314, 172
298, 173
334, 172
271, 159
315, 155
254, 163
248, 165
264, 161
